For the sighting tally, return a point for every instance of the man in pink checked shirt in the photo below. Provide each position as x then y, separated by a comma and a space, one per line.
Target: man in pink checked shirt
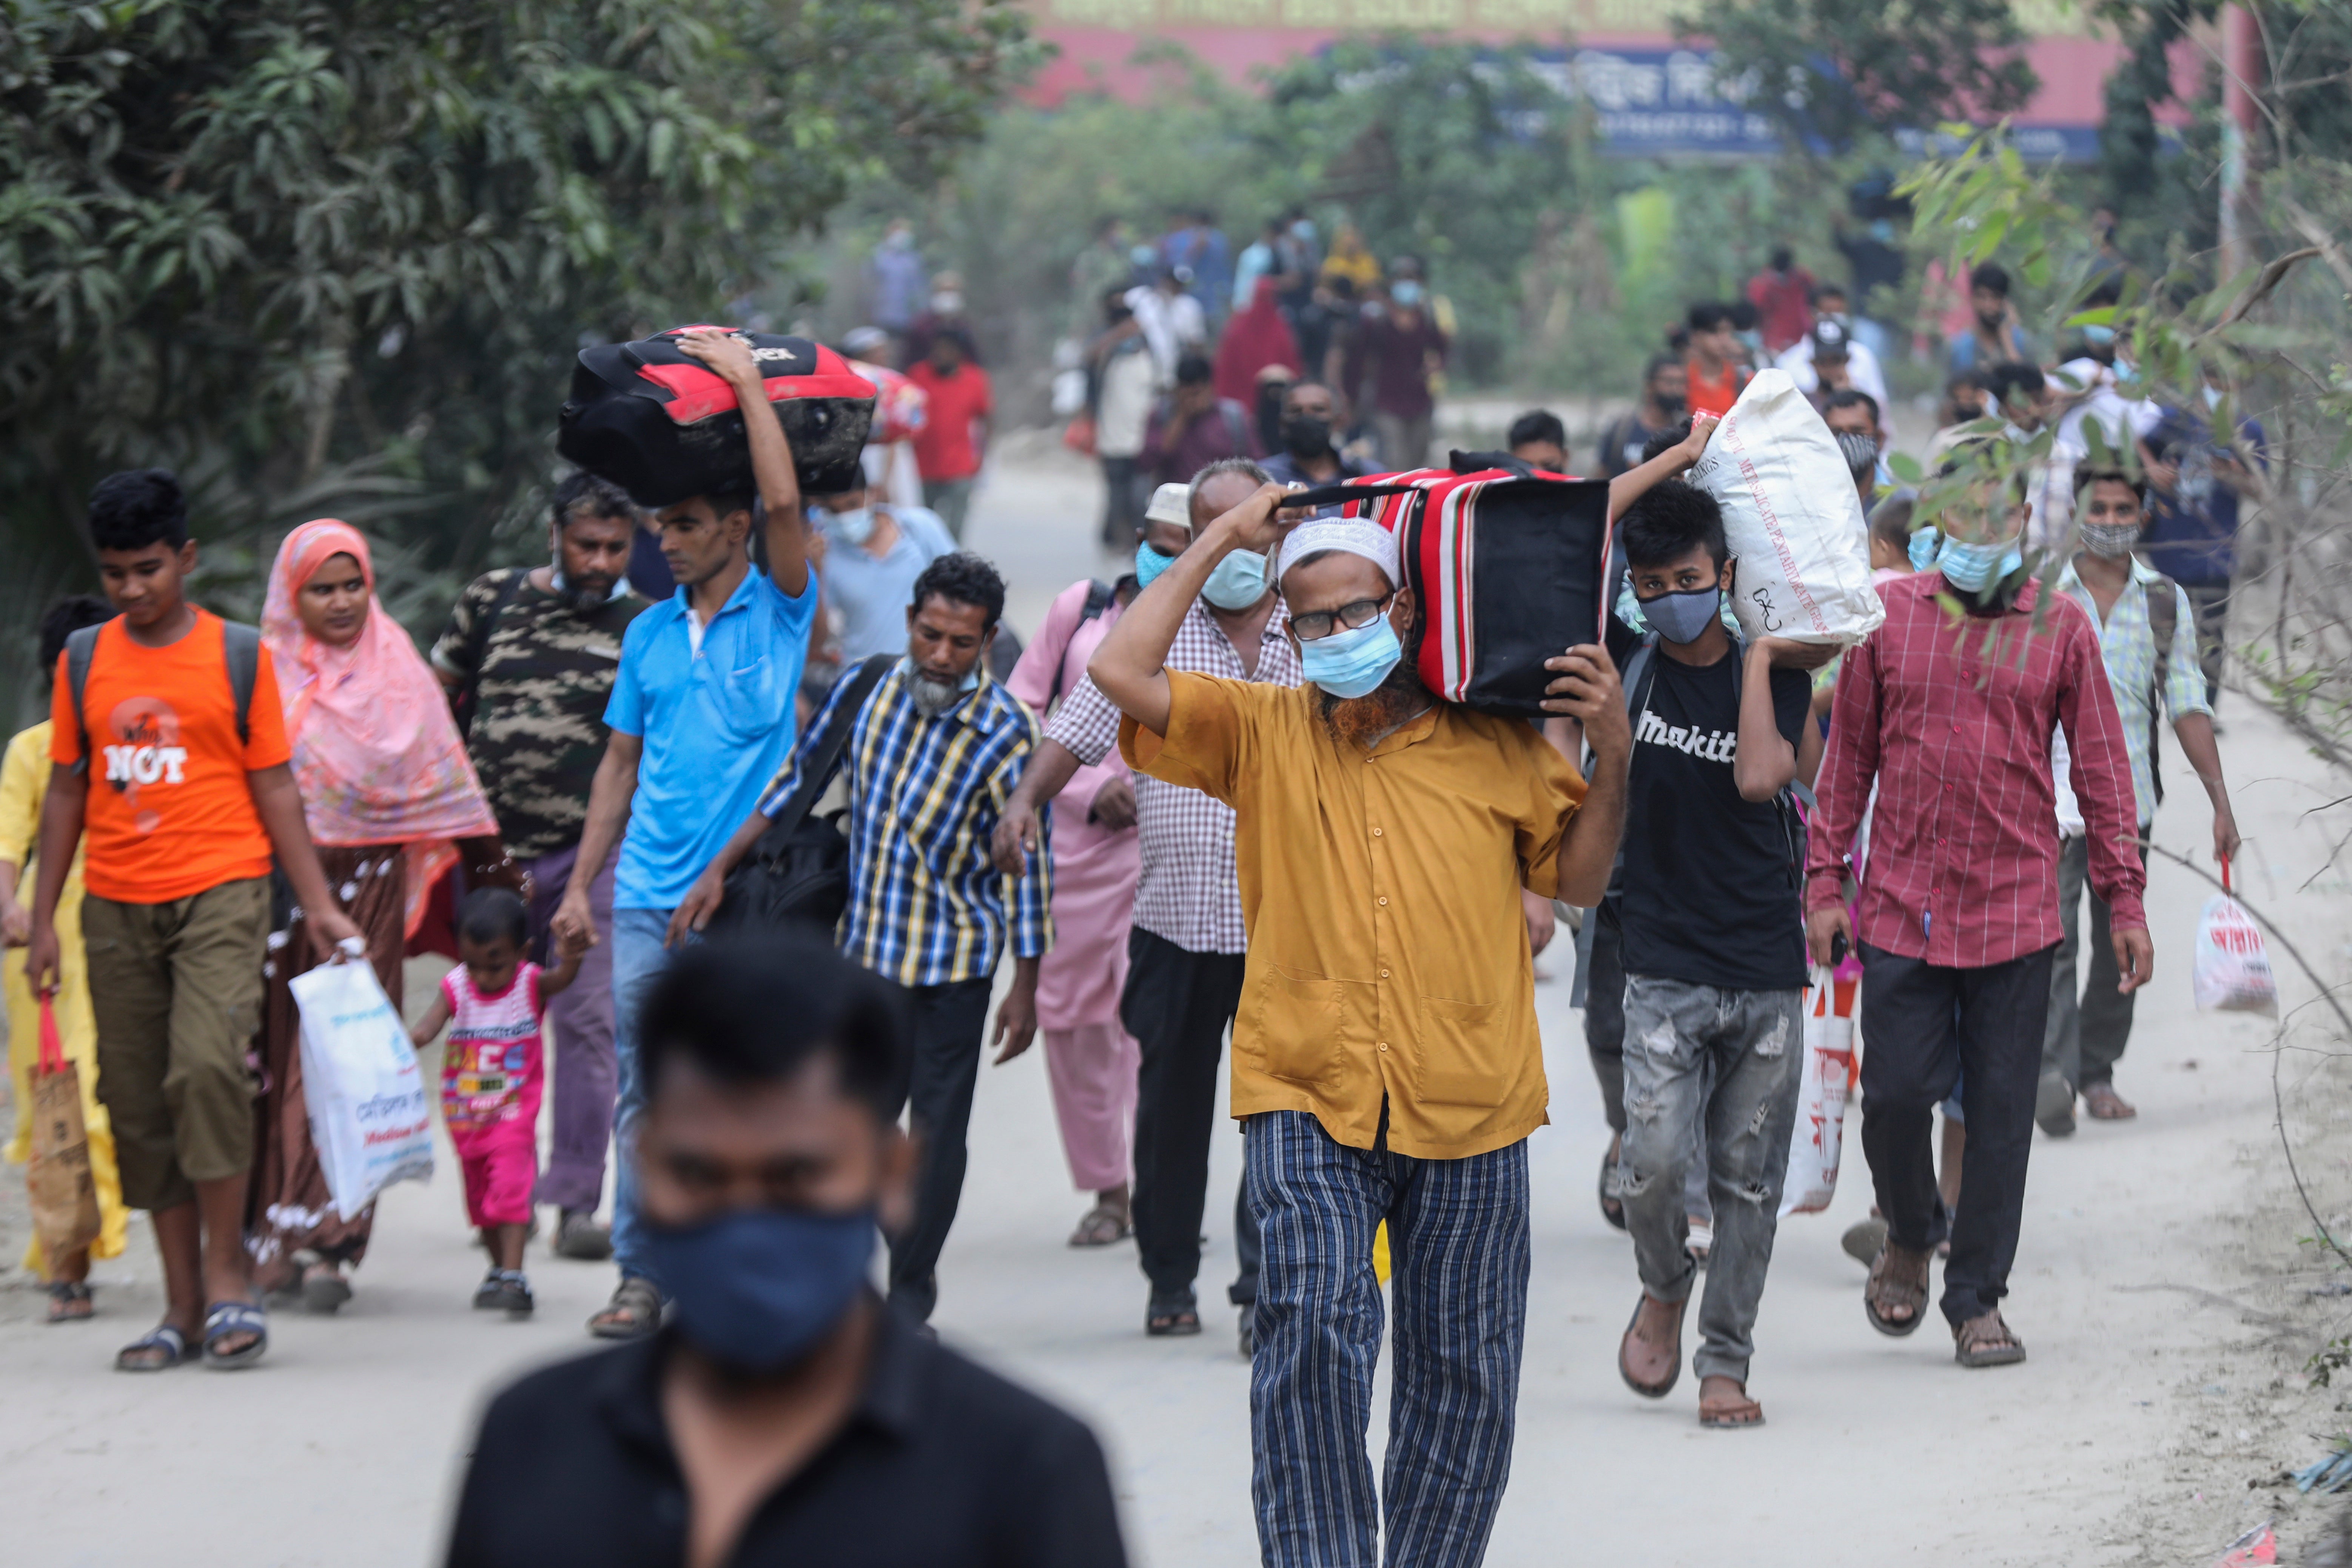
1959, 915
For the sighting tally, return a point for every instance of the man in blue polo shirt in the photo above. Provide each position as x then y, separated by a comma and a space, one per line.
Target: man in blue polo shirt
702, 717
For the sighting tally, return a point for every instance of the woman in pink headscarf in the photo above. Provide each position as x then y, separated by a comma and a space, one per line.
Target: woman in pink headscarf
389, 794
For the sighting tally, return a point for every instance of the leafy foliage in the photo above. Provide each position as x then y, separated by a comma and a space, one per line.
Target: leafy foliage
1835, 72
337, 254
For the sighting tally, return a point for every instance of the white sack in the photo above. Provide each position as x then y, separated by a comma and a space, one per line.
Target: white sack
1792, 517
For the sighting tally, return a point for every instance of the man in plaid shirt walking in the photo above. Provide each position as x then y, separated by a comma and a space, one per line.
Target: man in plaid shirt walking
1959, 918
932, 757
1187, 945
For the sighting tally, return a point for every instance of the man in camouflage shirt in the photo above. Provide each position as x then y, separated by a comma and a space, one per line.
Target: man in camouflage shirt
532, 653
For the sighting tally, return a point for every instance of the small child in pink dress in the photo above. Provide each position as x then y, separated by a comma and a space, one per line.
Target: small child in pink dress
491, 1076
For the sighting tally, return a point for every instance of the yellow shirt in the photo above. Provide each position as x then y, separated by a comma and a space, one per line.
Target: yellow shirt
24, 785
1388, 955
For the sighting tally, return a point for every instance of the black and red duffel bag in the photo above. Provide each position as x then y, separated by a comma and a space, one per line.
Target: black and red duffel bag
1507, 565
665, 426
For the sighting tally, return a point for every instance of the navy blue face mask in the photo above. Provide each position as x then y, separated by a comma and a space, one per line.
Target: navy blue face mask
757, 1289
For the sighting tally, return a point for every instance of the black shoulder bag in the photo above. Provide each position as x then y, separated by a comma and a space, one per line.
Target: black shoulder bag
796, 877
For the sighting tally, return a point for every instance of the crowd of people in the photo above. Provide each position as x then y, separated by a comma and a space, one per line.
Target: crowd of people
1209, 813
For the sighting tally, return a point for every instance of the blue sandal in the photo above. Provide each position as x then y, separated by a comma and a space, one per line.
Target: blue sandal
226, 1317
166, 1339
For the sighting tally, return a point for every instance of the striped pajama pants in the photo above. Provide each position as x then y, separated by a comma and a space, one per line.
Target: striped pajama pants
1458, 1243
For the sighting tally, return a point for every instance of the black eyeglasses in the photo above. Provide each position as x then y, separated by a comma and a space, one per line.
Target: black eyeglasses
1317, 624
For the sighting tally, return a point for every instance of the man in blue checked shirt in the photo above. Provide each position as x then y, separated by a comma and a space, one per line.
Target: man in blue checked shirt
932, 758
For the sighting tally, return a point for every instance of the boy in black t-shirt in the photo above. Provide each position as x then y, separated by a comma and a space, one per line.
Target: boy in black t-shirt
1713, 943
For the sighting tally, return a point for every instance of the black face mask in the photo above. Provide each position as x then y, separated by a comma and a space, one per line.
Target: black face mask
1303, 436
1670, 404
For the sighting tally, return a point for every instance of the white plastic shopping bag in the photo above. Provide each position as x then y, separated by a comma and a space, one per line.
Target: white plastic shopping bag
1792, 517
2233, 965
370, 1117
1829, 1071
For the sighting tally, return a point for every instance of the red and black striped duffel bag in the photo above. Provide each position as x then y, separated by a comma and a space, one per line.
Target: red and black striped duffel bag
1506, 565
664, 427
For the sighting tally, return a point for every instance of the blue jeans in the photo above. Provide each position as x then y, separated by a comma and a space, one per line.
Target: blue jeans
1458, 1238
638, 958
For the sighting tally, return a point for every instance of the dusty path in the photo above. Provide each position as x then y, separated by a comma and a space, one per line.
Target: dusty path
2117, 1442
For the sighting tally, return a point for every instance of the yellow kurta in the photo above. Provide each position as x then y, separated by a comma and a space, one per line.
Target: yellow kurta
1388, 952
24, 784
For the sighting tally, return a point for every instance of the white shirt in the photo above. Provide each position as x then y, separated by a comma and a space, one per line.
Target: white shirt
1861, 369
1131, 386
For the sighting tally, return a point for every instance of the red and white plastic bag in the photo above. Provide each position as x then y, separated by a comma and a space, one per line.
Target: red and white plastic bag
1831, 1070
2233, 964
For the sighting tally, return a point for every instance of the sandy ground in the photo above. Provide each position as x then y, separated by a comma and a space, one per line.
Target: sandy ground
2160, 1287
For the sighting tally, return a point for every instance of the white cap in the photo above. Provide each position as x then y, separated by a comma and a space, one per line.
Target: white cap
1348, 535
1170, 503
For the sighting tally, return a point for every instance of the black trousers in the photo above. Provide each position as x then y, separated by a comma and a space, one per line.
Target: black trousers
1604, 1012
948, 1023
1924, 1027
1177, 1005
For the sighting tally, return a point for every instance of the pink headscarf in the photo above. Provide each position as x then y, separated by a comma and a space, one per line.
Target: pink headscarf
376, 755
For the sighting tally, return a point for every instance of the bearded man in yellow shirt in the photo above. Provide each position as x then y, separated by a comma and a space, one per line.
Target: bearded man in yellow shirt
1385, 1057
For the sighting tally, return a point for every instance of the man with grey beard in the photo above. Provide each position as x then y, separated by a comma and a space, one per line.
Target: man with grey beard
933, 756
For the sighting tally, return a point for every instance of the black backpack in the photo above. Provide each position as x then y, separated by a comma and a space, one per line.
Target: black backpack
796, 877
240, 649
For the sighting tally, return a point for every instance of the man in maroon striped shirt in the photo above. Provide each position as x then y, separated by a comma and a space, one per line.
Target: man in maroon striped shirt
1958, 916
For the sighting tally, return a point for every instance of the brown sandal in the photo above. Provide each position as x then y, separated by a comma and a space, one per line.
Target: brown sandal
1730, 1415
1652, 1390
1898, 1278
1102, 1226
1986, 1340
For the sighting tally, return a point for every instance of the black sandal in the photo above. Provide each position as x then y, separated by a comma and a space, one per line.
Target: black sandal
1612, 1202
65, 1295
1170, 1316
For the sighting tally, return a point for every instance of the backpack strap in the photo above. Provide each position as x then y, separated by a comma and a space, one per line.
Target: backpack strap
1098, 596
241, 645
2163, 622
81, 648
824, 759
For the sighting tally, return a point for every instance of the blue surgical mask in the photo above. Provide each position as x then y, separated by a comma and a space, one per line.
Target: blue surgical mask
1970, 567
857, 527
1684, 617
1925, 544
2099, 333
1149, 564
757, 1289
1238, 581
1352, 660
1405, 292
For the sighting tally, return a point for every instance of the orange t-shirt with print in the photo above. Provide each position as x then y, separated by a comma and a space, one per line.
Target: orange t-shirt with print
170, 812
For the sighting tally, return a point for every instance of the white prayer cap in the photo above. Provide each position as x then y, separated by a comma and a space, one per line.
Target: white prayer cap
1170, 503
1348, 535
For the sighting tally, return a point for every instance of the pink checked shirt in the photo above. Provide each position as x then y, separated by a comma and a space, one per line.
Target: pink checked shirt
1963, 856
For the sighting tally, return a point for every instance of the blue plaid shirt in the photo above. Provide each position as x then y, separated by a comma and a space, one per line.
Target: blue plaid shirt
927, 905
2127, 642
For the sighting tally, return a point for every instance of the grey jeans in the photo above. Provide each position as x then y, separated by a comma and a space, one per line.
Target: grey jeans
1678, 1036
2087, 1028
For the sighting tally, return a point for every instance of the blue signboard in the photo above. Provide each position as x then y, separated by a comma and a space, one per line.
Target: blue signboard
1662, 103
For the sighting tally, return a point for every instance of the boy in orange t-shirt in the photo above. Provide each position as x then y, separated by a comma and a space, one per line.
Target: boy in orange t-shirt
1716, 372
182, 801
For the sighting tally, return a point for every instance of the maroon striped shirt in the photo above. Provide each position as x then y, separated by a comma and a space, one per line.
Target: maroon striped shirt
1963, 854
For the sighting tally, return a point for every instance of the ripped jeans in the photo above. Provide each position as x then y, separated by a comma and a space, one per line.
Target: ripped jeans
1710, 1075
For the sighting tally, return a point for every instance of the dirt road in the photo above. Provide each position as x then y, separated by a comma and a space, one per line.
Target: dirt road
2156, 1288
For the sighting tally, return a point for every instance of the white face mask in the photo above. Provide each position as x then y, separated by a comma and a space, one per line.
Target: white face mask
946, 302
857, 527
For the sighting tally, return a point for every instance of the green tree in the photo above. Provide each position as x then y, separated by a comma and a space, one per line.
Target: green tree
337, 254
1834, 72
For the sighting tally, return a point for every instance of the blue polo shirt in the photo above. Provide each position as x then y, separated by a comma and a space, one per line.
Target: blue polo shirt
717, 724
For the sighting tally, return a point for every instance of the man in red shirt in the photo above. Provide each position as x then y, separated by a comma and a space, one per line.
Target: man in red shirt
948, 447
1782, 295
1958, 916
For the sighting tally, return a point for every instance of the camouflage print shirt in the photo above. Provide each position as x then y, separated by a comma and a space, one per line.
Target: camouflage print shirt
547, 671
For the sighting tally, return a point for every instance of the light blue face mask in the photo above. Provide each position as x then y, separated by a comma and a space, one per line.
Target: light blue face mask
1925, 544
1149, 564
857, 527
1238, 581
1405, 292
1352, 661
2099, 333
1970, 567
